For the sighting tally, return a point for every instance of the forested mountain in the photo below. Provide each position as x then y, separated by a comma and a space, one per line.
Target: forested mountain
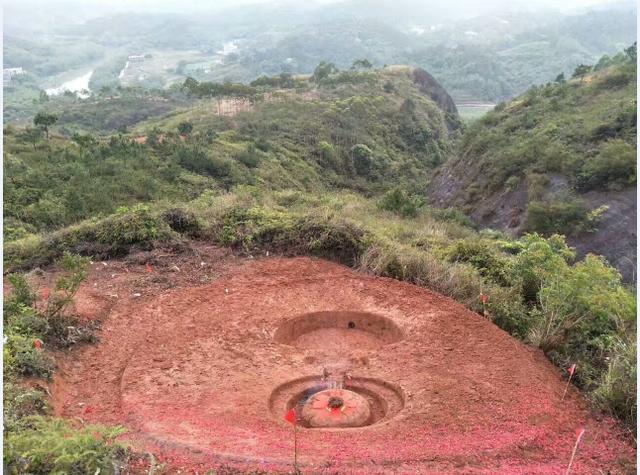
560, 158
487, 57
362, 130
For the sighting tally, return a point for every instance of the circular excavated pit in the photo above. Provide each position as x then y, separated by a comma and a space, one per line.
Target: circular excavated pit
336, 408
377, 399
195, 376
338, 330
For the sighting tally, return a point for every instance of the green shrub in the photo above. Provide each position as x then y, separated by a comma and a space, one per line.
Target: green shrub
21, 296
400, 202
580, 314
21, 402
456, 280
512, 183
617, 391
25, 359
54, 446
256, 228
112, 236
555, 216
249, 158
580, 308
362, 157
453, 215
182, 221
483, 257
614, 165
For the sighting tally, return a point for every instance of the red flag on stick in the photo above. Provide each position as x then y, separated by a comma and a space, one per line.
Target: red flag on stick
290, 417
579, 433
571, 370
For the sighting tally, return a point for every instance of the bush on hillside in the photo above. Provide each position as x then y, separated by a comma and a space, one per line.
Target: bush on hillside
47, 445
182, 221
487, 260
256, 228
614, 166
362, 157
400, 202
114, 235
555, 216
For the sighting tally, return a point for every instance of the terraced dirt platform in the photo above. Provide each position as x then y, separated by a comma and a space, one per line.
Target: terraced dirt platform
201, 358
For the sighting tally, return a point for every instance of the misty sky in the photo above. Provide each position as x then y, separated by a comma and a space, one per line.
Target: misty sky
101, 7
24, 17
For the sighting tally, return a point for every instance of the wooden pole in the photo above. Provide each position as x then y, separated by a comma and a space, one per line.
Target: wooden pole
295, 447
575, 449
567, 386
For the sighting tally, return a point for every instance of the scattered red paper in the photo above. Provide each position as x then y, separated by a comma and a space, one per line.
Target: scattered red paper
484, 299
572, 369
290, 417
45, 293
37, 343
87, 410
149, 268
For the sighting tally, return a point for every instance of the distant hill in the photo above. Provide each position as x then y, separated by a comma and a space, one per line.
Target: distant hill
367, 130
490, 57
560, 158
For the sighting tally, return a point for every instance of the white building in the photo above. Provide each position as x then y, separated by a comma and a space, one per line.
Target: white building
10, 73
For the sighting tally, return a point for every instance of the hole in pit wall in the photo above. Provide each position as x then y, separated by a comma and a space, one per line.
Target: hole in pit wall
338, 331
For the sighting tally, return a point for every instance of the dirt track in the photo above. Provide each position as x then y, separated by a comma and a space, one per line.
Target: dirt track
189, 367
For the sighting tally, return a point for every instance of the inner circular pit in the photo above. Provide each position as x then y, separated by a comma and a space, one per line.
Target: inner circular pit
336, 408
338, 330
361, 402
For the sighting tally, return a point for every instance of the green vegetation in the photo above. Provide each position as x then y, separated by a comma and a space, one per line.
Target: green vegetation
55, 446
559, 141
346, 139
35, 442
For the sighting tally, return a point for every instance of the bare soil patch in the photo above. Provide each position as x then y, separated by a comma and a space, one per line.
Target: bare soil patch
188, 363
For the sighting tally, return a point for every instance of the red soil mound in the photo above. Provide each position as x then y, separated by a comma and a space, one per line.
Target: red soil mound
190, 370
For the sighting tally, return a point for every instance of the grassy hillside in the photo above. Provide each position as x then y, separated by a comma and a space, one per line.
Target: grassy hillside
561, 158
366, 131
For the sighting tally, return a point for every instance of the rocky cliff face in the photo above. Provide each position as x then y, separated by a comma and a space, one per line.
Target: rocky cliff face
559, 159
615, 236
432, 88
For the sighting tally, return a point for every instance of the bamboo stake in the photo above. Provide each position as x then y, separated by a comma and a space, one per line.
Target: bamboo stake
572, 370
295, 447
575, 448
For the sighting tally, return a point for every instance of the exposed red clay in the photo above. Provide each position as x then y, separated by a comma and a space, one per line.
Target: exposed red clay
189, 366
